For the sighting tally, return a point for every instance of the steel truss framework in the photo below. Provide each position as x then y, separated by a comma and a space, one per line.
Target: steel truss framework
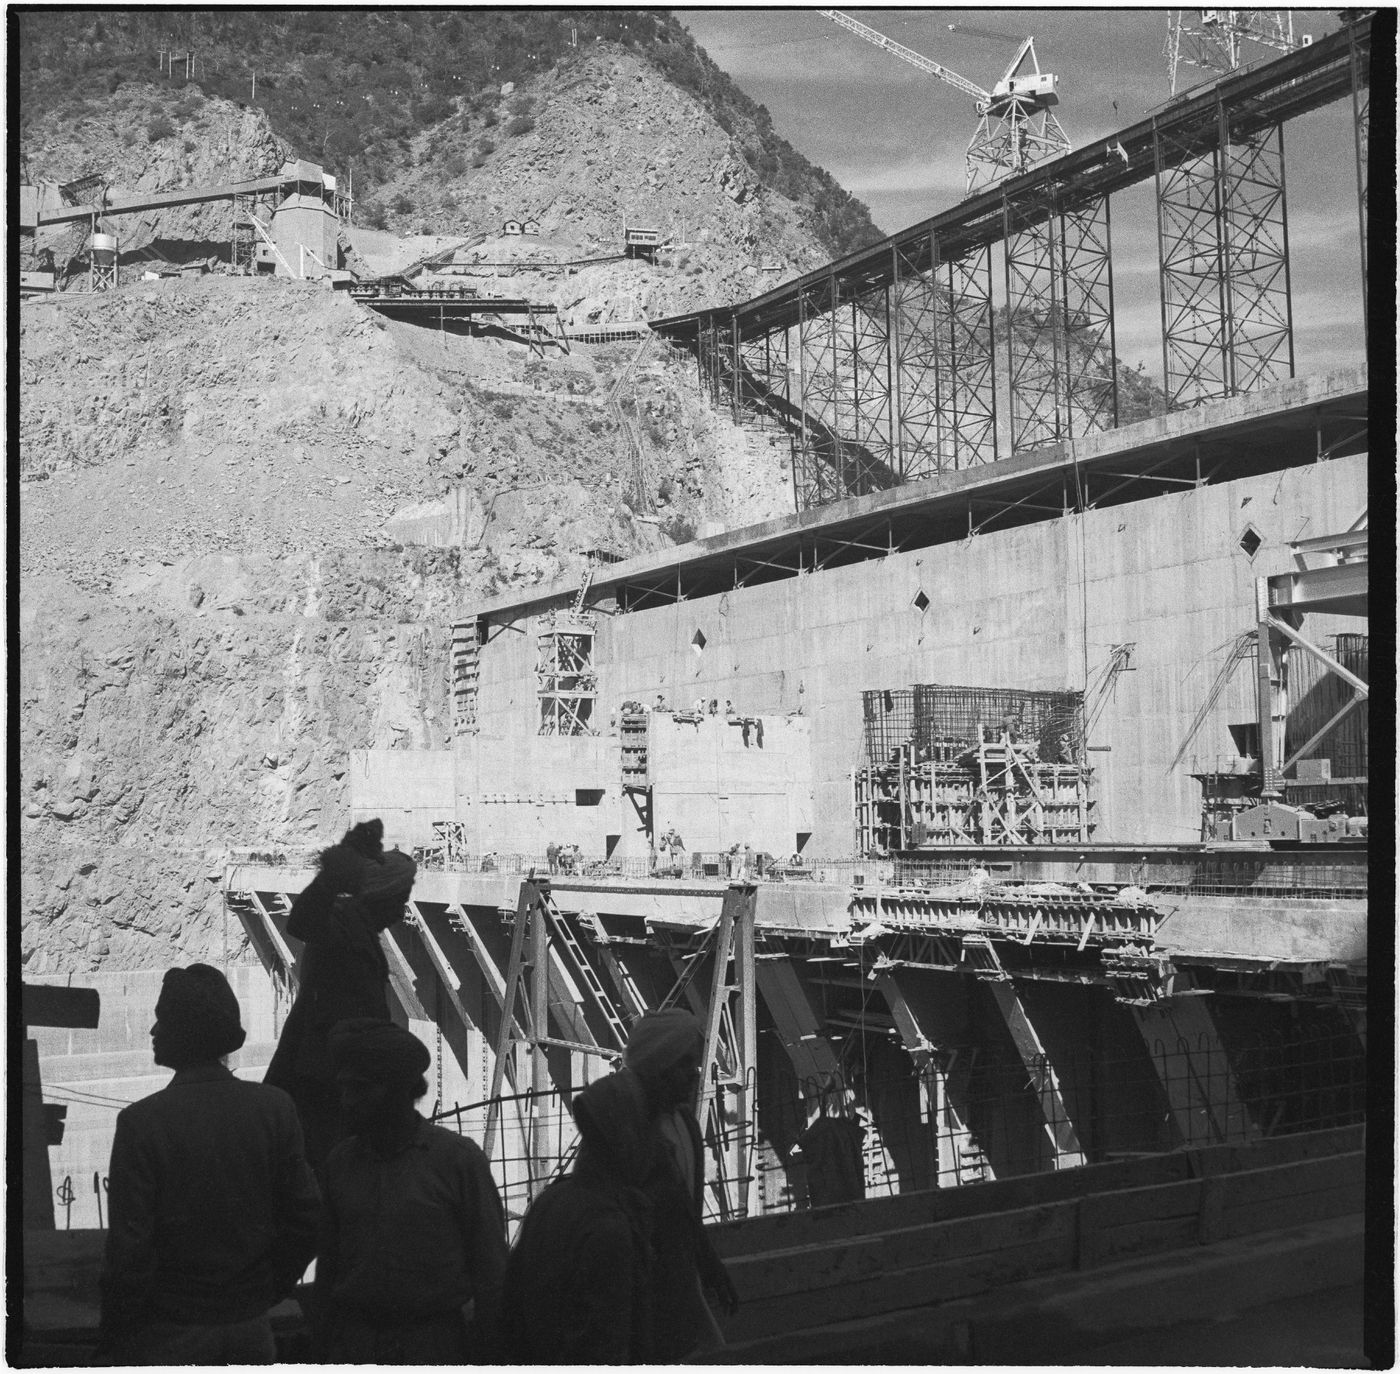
573, 982
900, 382
1222, 228
1060, 340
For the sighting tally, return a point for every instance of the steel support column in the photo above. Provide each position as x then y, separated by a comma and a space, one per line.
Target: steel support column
969, 362
820, 460
1059, 1127
1222, 224
917, 307
862, 397
727, 1091
930, 1035
1194, 1070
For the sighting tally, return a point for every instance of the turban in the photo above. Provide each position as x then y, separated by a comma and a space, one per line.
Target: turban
611, 1115
387, 884
661, 1039
378, 1049
197, 1014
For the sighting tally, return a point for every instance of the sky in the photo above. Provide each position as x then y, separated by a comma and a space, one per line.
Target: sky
896, 137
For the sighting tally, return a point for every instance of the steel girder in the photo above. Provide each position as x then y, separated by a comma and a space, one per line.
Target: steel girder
1060, 338
1222, 227
970, 360
918, 305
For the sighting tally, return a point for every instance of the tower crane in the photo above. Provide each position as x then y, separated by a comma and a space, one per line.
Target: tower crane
1015, 128
1215, 39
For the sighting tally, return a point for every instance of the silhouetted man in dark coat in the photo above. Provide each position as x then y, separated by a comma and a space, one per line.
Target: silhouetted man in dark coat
358, 892
213, 1208
664, 1050
413, 1243
578, 1286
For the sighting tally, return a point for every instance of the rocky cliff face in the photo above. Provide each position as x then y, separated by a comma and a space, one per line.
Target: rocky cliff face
250, 511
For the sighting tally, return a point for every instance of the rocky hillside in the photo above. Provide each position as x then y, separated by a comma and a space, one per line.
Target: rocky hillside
249, 513
638, 151
356, 88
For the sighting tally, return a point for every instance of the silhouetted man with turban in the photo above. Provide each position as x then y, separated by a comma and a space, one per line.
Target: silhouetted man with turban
358, 892
665, 1050
413, 1244
213, 1208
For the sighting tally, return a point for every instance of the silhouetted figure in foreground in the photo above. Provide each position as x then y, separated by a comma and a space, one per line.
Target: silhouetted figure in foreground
213, 1207
664, 1051
358, 892
578, 1284
413, 1241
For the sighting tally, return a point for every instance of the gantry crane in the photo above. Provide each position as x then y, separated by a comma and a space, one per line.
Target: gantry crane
1216, 40
1015, 129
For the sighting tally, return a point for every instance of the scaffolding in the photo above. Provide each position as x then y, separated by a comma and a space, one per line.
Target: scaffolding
567, 684
971, 765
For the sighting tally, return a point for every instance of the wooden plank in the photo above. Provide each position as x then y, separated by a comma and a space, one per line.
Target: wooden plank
1302, 1176
1276, 1214
940, 1282
816, 1268
1106, 1210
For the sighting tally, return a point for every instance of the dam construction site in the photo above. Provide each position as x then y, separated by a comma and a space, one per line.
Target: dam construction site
742, 609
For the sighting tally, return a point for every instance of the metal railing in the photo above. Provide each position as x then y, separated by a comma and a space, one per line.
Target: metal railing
975, 1115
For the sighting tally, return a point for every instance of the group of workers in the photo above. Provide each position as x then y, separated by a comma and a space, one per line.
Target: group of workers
221, 1191
563, 858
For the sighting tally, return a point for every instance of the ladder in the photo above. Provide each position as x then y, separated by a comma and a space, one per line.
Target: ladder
582, 596
584, 970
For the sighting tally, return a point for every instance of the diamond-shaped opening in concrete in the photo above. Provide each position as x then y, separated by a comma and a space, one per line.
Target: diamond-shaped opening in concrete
921, 601
1251, 541
698, 641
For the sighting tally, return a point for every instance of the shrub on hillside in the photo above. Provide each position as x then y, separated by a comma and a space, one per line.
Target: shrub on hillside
374, 216
160, 127
454, 164
521, 124
401, 204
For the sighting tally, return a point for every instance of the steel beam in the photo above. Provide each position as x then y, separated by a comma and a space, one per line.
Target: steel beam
931, 1037
1194, 1070
1059, 1127
731, 1022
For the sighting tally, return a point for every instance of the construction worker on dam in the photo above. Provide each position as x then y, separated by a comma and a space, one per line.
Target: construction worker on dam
213, 1207
358, 891
413, 1240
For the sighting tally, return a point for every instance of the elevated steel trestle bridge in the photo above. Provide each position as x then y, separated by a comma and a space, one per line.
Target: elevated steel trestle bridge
884, 367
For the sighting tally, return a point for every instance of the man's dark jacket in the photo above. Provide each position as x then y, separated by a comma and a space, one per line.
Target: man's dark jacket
213, 1208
